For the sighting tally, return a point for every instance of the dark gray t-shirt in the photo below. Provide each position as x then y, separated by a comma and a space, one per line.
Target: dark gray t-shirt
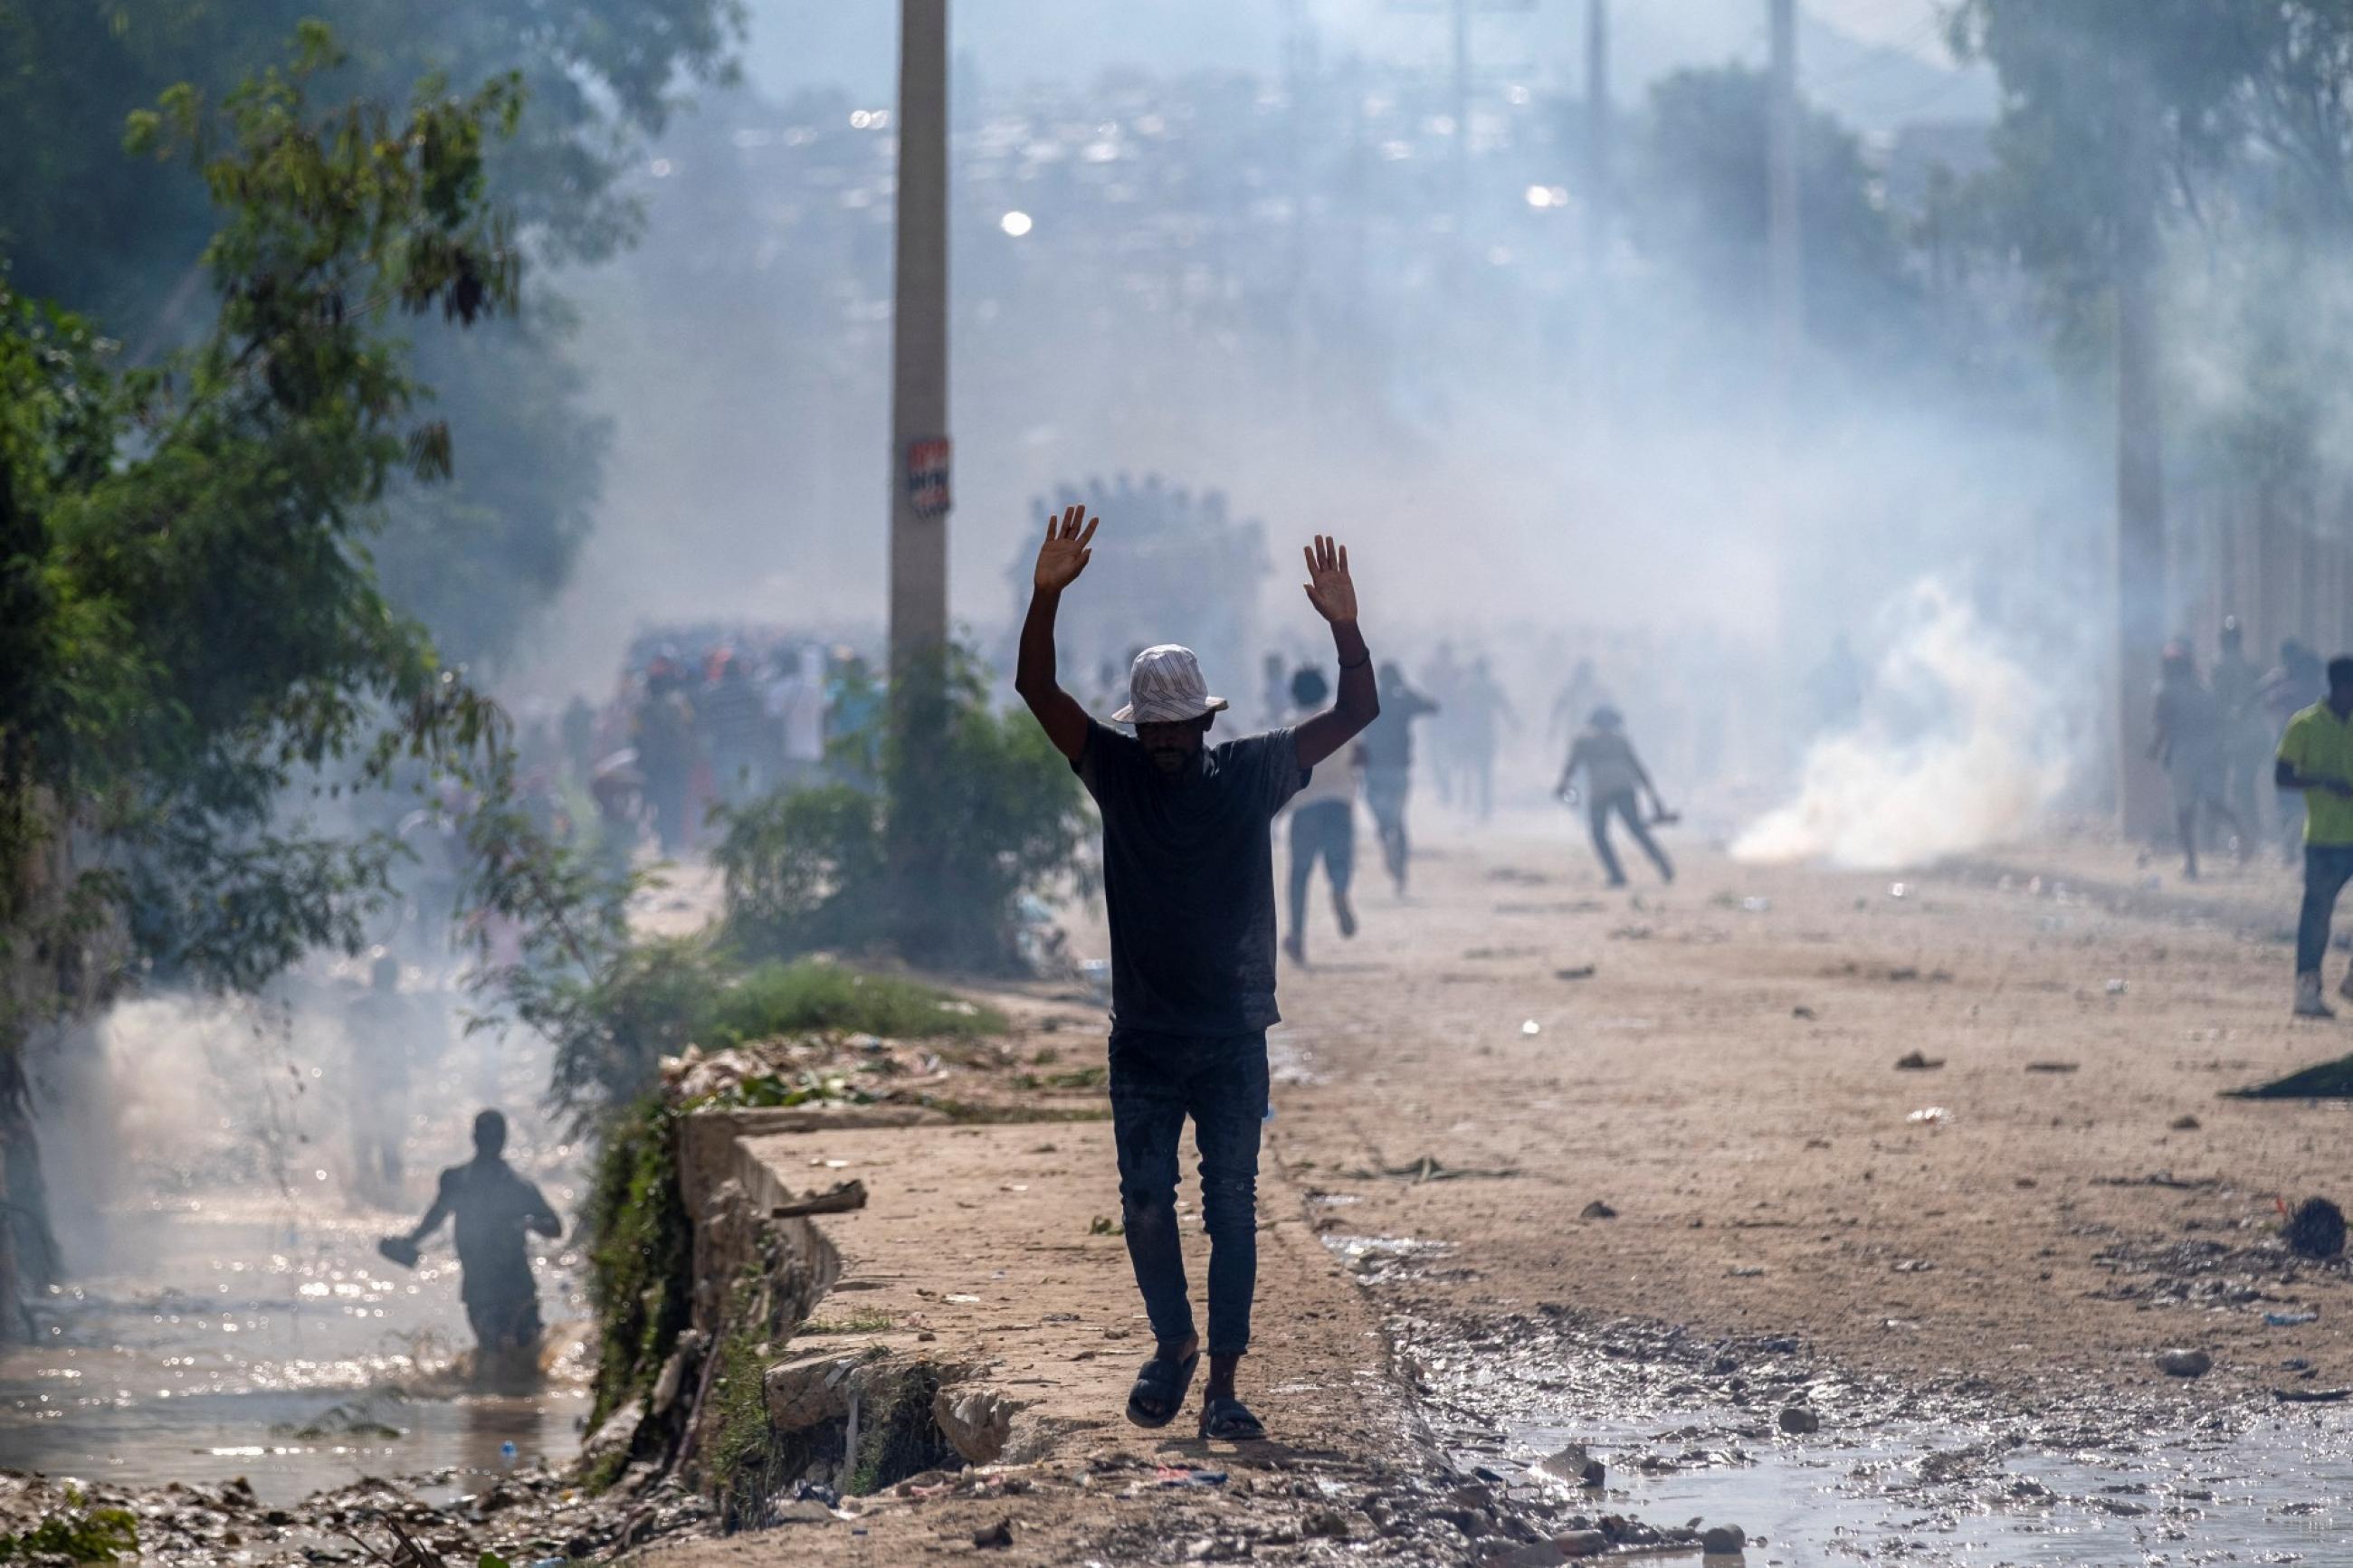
1188, 879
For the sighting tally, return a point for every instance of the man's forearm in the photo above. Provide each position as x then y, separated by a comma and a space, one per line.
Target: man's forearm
1033, 671
1360, 696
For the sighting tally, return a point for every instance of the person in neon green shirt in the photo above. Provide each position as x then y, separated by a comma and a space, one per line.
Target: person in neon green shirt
2316, 756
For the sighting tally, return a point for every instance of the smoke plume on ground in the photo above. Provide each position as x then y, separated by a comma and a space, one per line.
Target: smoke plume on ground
1958, 747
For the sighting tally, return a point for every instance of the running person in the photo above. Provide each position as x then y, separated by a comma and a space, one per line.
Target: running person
1322, 827
1614, 778
1386, 753
1189, 881
2315, 759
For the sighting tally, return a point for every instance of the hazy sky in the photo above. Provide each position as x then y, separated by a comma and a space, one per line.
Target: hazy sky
1876, 62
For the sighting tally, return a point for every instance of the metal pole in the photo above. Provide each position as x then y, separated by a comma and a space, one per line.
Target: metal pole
919, 341
1786, 254
918, 480
1596, 137
1784, 267
1462, 110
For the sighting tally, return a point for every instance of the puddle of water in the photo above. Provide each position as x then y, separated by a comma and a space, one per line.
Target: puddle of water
211, 1340
2277, 1493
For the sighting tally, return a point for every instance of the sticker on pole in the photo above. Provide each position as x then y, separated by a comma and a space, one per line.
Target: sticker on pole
927, 476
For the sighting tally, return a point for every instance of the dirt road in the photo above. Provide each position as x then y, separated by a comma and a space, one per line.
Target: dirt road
1960, 1273
2031, 1211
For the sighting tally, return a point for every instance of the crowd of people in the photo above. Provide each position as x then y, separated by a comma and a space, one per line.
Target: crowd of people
719, 720
2218, 734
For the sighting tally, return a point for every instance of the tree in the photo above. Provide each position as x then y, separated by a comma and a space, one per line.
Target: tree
2111, 108
121, 241
1703, 204
193, 630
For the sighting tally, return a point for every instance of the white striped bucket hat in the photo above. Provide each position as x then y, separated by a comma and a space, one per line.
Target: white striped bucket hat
1164, 687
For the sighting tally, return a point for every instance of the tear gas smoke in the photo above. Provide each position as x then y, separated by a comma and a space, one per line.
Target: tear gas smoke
1959, 747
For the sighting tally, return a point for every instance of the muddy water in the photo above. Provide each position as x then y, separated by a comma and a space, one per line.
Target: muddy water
2281, 1491
213, 1339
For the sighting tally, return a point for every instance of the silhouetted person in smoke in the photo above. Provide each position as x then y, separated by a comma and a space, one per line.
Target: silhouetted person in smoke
2188, 742
2316, 761
382, 1025
1578, 698
729, 717
1322, 827
495, 1209
1189, 883
1615, 780
1386, 753
2292, 685
1485, 713
665, 735
2236, 685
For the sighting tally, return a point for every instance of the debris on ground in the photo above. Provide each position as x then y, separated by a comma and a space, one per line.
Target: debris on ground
1574, 1463
1913, 1061
1597, 1209
1575, 972
2316, 1230
2053, 1067
1429, 1168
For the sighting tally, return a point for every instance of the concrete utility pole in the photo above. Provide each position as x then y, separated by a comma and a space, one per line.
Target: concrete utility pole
1596, 139
1461, 107
2141, 790
1786, 258
920, 492
918, 830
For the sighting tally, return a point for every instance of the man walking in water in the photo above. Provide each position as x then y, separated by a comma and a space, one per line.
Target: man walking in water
495, 1207
1613, 774
1189, 881
2315, 758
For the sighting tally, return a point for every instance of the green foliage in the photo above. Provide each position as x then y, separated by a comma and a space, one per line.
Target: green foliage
865, 1321
975, 808
194, 628
79, 1535
2209, 146
113, 236
1703, 202
740, 1459
641, 1254
773, 999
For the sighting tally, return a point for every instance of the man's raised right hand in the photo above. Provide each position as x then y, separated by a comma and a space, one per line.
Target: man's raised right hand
1065, 553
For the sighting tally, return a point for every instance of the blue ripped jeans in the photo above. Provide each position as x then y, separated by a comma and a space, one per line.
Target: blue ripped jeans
1156, 1081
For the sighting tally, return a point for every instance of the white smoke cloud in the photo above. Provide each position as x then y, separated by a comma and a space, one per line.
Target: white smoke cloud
1959, 747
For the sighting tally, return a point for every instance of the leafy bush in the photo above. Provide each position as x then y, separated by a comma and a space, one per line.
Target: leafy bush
773, 999
79, 1534
975, 808
660, 995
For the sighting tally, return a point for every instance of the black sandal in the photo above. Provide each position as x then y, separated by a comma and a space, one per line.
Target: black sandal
1226, 1419
1163, 1382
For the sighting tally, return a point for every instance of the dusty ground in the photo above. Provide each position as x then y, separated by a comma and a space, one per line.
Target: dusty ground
1716, 1065
1724, 1080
